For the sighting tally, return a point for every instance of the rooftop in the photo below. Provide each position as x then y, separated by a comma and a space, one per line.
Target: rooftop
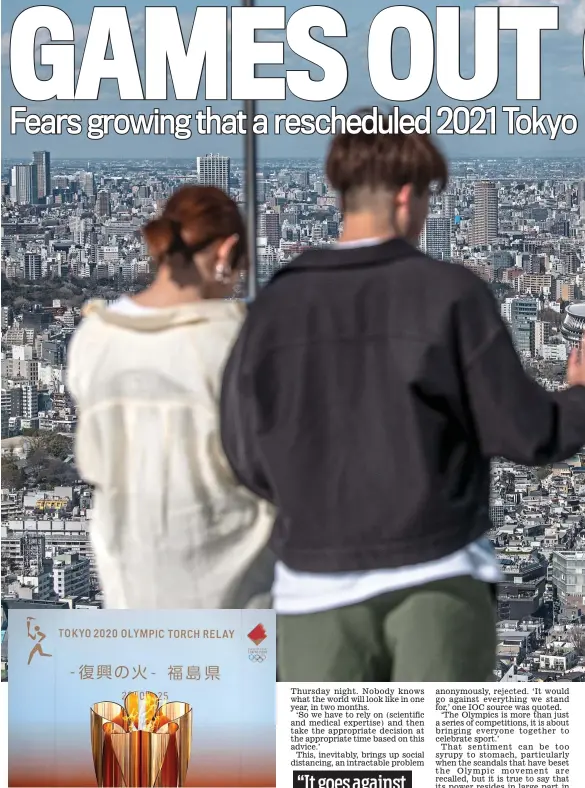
577, 309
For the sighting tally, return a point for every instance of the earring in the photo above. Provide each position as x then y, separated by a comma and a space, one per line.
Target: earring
221, 274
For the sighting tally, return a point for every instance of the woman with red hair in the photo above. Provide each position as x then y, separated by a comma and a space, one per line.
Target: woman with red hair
171, 527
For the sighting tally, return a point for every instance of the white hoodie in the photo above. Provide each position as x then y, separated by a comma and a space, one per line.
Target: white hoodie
171, 527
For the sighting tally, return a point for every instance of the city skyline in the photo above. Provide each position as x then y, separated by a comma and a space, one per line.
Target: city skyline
84, 241
562, 80
26, 158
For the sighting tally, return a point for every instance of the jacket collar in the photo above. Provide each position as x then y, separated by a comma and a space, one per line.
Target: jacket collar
340, 257
160, 319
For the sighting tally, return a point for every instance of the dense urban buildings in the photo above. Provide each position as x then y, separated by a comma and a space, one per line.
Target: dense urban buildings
71, 231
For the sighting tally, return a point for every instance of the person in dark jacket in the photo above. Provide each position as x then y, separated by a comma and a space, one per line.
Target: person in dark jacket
365, 396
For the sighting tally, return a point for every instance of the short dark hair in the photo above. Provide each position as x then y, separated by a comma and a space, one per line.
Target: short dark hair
384, 162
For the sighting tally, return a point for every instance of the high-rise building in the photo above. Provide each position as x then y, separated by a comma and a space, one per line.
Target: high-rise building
568, 575
449, 206
6, 316
541, 332
71, 574
23, 184
566, 290
261, 190
30, 401
42, 161
581, 199
484, 230
520, 309
269, 227
520, 313
69, 320
303, 178
102, 207
436, 237
87, 182
79, 229
33, 266
214, 170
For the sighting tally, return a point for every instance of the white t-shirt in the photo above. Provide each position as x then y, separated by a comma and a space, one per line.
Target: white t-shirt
307, 592
127, 306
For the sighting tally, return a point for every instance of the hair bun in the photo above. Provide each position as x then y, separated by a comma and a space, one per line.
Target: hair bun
194, 217
160, 236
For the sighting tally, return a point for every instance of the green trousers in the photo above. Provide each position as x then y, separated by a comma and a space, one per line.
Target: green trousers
441, 631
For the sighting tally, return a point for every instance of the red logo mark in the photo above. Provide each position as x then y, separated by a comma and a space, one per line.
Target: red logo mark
257, 635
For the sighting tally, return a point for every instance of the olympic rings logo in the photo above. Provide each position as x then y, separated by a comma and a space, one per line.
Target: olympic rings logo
256, 657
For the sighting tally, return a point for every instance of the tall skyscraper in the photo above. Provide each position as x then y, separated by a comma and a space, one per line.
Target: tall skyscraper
436, 237
103, 203
541, 332
269, 227
30, 401
87, 183
214, 170
449, 206
42, 161
581, 199
484, 230
261, 190
23, 184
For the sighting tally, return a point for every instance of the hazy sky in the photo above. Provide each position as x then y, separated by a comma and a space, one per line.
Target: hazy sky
563, 88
